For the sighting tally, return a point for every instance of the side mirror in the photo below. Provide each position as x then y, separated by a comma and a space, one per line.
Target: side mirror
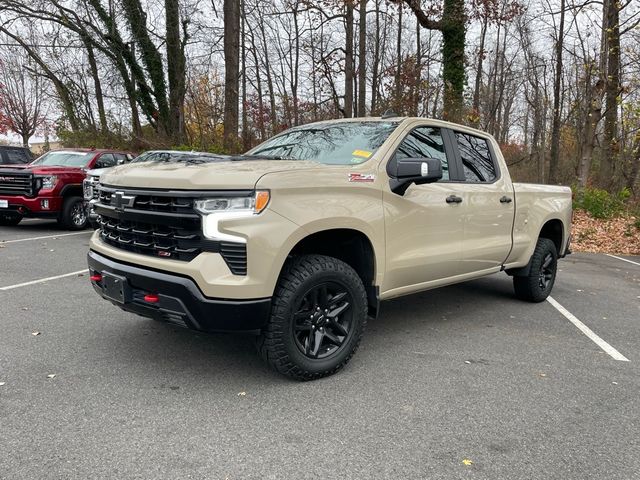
414, 170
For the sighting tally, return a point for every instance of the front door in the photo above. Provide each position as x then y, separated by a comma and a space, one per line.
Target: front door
424, 232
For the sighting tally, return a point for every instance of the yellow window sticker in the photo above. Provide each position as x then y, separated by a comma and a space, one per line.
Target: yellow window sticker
362, 153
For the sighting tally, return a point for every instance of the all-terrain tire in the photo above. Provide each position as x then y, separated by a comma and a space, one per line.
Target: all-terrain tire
73, 215
543, 266
280, 345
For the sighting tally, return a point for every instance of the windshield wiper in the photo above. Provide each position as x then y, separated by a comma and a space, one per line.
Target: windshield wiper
258, 156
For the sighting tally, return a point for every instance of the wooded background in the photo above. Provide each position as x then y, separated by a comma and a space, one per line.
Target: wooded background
557, 82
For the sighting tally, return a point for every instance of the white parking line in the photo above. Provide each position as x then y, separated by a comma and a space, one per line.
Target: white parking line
608, 349
624, 259
34, 282
2, 242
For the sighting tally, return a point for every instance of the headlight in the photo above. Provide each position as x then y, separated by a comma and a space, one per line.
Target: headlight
90, 187
49, 182
214, 210
254, 204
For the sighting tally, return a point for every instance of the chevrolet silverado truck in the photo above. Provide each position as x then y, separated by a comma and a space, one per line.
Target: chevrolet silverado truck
301, 238
51, 186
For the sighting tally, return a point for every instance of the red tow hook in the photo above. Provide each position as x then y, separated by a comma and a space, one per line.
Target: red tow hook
96, 277
151, 298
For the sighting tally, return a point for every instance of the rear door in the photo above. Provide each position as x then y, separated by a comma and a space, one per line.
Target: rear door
424, 231
488, 198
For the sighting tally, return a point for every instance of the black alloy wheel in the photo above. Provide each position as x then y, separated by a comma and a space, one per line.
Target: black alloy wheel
322, 322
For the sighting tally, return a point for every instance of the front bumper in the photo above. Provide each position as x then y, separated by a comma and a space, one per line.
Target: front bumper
180, 301
32, 207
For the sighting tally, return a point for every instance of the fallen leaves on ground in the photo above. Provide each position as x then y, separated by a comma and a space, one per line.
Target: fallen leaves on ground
616, 235
467, 462
35, 334
242, 394
51, 375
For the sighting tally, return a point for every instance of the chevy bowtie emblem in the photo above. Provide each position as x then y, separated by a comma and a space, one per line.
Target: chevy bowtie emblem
119, 201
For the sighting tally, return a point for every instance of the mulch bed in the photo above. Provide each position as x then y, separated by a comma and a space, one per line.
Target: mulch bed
617, 235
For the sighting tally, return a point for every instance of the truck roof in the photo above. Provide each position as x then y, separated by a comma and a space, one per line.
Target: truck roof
400, 119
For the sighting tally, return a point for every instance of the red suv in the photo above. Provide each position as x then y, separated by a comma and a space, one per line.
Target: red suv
51, 186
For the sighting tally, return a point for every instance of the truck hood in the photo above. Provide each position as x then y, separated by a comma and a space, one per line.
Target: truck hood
223, 175
48, 170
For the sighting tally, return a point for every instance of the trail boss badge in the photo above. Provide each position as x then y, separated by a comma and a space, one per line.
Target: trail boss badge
362, 177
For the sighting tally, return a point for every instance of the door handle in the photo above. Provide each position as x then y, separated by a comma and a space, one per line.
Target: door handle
506, 199
454, 199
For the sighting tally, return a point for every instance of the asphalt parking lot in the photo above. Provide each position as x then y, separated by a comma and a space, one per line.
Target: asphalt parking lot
462, 382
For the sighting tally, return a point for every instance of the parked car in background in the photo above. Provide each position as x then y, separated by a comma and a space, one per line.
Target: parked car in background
93, 176
51, 186
15, 155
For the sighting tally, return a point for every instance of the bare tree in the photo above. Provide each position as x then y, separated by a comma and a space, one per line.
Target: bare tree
21, 95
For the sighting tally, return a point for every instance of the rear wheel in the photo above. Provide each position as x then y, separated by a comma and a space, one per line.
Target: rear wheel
73, 215
10, 220
318, 316
543, 266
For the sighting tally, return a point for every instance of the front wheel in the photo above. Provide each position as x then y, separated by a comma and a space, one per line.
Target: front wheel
537, 286
73, 215
318, 316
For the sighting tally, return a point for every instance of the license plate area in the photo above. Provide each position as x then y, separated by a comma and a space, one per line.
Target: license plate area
116, 288
4, 203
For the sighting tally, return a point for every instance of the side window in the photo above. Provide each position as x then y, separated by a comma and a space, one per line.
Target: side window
476, 158
16, 157
120, 158
425, 142
106, 160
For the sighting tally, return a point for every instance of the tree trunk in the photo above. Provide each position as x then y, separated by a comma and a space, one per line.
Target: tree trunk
478, 82
557, 83
152, 60
231, 73
376, 63
176, 72
348, 61
398, 80
97, 85
453, 72
362, 60
610, 145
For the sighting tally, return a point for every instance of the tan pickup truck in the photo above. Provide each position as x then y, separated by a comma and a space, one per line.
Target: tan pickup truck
300, 239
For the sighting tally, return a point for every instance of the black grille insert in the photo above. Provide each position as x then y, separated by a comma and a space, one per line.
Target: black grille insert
160, 225
16, 183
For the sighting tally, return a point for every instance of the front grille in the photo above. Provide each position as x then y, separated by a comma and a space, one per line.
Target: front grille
160, 225
15, 183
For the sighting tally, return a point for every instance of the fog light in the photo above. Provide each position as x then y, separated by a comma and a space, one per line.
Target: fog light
44, 204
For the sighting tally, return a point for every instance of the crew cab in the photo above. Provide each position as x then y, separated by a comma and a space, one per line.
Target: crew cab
301, 238
51, 186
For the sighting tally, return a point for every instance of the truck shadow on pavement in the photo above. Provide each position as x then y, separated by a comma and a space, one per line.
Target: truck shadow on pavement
153, 346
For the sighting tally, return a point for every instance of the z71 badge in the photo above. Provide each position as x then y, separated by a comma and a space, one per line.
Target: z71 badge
362, 177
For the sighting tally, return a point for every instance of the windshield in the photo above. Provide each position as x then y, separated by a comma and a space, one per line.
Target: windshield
65, 159
344, 143
160, 156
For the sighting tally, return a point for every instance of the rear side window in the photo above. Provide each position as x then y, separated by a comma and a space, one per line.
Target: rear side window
425, 142
476, 158
106, 160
